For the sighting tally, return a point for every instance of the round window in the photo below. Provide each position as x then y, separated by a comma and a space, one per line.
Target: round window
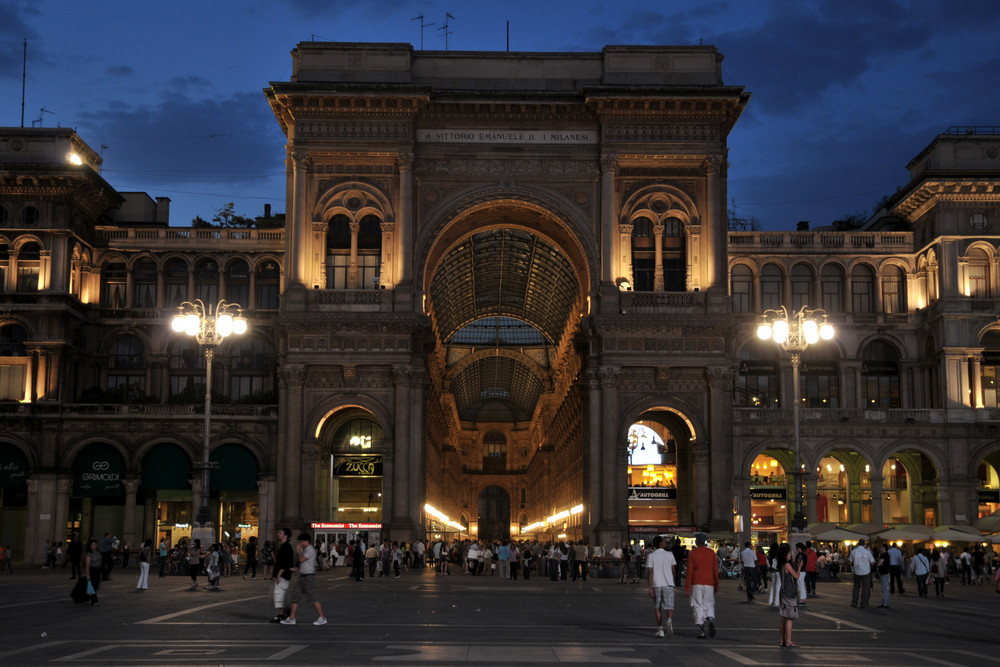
978, 222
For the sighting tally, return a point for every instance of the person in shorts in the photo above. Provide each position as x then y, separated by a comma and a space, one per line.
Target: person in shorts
661, 568
304, 586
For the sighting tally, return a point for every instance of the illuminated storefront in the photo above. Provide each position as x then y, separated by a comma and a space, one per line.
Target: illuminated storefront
652, 478
768, 498
354, 482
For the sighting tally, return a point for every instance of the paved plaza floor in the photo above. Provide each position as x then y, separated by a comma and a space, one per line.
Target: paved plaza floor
423, 618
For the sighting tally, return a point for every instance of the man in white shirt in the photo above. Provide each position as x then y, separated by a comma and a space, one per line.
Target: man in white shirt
661, 568
304, 589
861, 560
748, 558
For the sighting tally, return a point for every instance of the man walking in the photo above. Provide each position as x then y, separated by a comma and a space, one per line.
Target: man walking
702, 584
748, 557
304, 586
661, 568
811, 559
861, 565
895, 569
284, 561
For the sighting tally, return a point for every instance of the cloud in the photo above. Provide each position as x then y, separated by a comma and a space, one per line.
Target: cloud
14, 30
119, 71
186, 83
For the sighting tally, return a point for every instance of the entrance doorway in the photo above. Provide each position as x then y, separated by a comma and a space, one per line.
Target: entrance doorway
494, 514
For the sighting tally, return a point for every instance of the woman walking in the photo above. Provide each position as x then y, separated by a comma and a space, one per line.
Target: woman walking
145, 554
195, 554
939, 570
92, 570
789, 595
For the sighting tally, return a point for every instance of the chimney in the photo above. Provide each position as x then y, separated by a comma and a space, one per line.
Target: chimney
163, 210
267, 211
803, 226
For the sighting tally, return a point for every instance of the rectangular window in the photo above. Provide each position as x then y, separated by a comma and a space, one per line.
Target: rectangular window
892, 295
861, 297
643, 271
742, 293
336, 271
12, 382
368, 268
145, 295
770, 294
832, 299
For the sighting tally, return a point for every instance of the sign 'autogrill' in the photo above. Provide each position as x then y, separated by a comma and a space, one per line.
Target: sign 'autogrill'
767, 494
486, 136
651, 493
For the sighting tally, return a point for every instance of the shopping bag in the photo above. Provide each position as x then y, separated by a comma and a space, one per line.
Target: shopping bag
90, 588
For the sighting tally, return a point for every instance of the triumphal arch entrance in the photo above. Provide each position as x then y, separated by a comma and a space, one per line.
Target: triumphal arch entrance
504, 308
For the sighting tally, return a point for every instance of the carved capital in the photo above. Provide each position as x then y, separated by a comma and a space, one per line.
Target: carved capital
300, 160
625, 228
609, 163
609, 376
713, 164
405, 161
721, 378
291, 376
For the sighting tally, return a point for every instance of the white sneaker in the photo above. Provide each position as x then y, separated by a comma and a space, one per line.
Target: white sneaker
659, 632
288, 621
670, 627
320, 621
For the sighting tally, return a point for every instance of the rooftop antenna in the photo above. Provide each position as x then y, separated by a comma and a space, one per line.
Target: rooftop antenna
104, 147
420, 17
24, 77
41, 114
447, 17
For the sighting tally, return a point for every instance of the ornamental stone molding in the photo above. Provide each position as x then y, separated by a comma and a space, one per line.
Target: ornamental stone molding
368, 130
291, 376
648, 133
493, 170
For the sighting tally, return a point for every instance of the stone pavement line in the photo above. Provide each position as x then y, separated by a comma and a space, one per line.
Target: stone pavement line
735, 657
837, 619
923, 656
507, 654
26, 649
183, 612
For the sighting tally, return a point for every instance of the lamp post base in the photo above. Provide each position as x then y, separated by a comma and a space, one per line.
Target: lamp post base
204, 532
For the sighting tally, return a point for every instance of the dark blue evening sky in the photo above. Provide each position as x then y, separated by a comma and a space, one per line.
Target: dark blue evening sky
845, 93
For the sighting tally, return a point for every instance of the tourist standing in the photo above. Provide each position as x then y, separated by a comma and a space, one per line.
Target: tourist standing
789, 594
661, 567
145, 554
284, 561
702, 584
861, 561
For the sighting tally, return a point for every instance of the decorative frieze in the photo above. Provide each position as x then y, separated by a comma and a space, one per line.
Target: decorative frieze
395, 130
506, 168
672, 132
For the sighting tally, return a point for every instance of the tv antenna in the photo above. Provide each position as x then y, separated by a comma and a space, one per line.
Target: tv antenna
446, 28
41, 114
420, 17
24, 77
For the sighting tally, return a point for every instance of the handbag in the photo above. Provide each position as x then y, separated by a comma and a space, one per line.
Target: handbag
90, 588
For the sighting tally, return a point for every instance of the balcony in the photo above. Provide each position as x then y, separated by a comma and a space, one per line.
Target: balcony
162, 238
820, 242
351, 300
751, 416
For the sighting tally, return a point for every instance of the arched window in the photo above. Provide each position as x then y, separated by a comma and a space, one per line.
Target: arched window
358, 436
893, 290
494, 452
28, 267
978, 274
369, 252
820, 381
862, 289
144, 284
757, 380
802, 286
990, 369
674, 260
832, 285
643, 255
338, 249
741, 288
113, 277
4, 264
267, 281
880, 375
251, 375
238, 283
187, 372
771, 287
127, 365
206, 281
175, 278
13, 373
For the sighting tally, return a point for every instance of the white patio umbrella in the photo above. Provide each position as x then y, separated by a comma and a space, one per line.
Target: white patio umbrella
905, 533
990, 524
838, 534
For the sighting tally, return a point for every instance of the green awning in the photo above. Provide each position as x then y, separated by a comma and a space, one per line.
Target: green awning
236, 470
99, 470
166, 467
13, 467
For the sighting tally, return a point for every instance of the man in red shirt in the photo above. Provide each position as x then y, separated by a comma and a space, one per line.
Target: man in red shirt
702, 583
811, 558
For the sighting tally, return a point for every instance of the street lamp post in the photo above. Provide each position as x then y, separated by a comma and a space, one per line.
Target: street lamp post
794, 332
209, 329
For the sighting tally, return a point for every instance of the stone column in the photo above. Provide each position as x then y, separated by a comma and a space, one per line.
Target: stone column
624, 268
397, 504
612, 513
307, 477
702, 476
810, 497
977, 383
297, 232
64, 486
128, 530
609, 222
658, 266
744, 505
876, 483
720, 381
418, 456
267, 520
403, 272
352, 266
289, 461
716, 240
